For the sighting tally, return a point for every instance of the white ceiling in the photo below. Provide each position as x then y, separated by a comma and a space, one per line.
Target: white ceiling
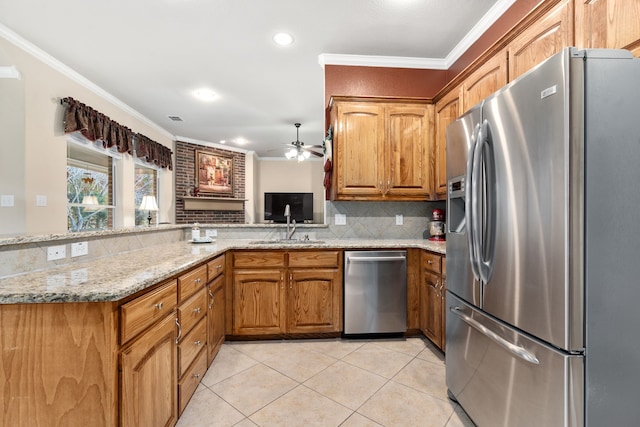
152, 54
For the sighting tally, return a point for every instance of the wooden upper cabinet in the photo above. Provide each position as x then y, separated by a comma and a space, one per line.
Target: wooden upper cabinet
544, 38
484, 81
358, 149
381, 149
613, 24
447, 109
408, 134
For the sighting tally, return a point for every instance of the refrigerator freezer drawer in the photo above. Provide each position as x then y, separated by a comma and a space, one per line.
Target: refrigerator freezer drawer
504, 378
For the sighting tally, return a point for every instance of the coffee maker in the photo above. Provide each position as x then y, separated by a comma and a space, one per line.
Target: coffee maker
437, 226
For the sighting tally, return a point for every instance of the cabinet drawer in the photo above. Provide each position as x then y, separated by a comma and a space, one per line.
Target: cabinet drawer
259, 259
191, 311
142, 312
431, 261
191, 345
191, 379
190, 282
314, 259
215, 267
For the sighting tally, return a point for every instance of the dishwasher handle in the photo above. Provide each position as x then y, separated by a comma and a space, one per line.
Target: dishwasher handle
375, 258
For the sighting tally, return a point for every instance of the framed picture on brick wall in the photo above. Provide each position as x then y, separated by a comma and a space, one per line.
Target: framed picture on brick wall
214, 173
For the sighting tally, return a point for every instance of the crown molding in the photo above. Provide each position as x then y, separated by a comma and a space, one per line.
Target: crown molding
486, 21
381, 61
483, 24
73, 75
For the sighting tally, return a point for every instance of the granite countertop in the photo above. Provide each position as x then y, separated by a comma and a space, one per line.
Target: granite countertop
115, 277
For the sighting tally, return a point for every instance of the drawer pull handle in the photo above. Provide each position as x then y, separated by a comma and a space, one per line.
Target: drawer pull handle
158, 306
197, 343
429, 262
196, 376
197, 280
219, 267
196, 310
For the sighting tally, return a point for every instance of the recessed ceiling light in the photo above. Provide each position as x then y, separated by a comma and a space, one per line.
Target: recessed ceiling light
240, 141
205, 94
283, 39
222, 141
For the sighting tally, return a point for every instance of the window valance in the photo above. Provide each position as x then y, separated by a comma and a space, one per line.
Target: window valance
95, 126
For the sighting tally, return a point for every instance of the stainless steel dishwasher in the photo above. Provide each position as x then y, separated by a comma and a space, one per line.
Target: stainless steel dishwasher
375, 292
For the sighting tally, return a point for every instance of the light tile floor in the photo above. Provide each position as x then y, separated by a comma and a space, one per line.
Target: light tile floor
350, 383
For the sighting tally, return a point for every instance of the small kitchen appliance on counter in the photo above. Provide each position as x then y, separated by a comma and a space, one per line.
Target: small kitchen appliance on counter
437, 226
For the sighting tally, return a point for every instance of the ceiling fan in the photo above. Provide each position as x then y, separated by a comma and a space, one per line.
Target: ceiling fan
298, 150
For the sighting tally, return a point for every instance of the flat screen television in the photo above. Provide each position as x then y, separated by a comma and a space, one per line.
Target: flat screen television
301, 205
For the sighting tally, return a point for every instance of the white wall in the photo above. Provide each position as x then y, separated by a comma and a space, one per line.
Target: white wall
280, 175
45, 154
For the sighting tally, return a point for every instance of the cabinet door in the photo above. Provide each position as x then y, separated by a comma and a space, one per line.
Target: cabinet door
487, 79
314, 297
447, 110
544, 38
407, 169
431, 313
612, 24
148, 378
215, 317
258, 302
358, 150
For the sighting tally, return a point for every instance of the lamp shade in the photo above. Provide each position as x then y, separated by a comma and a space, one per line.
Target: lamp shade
91, 202
148, 203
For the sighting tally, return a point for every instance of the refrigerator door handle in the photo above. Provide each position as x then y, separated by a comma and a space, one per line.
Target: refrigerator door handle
486, 168
476, 226
517, 351
469, 203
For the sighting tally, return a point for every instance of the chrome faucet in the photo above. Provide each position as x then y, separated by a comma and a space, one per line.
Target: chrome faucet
287, 213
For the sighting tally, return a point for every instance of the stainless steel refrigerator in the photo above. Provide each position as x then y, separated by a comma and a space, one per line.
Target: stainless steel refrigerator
543, 247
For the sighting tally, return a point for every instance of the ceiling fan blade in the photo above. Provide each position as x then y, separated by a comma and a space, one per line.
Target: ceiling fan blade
313, 153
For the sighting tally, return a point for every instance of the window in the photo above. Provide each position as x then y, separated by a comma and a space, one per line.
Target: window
90, 187
146, 183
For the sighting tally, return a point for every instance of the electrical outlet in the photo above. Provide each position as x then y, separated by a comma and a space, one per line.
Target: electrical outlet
399, 219
79, 249
341, 219
211, 233
6, 200
56, 252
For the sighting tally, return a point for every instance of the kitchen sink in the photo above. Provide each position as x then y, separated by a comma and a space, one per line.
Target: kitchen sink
285, 241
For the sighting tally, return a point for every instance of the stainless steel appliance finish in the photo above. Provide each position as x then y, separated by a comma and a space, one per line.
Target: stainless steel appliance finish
542, 230
375, 292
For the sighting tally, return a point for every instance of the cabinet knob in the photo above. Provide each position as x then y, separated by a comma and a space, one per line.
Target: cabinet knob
197, 280
197, 310
219, 267
196, 376
429, 262
158, 306
197, 343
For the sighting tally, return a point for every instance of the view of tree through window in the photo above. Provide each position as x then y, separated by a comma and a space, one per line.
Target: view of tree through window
88, 180
146, 184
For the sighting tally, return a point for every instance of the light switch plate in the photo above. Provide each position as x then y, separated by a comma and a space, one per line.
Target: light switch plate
41, 200
56, 252
211, 233
399, 219
341, 219
6, 200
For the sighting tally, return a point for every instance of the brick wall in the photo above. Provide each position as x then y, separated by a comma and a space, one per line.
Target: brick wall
186, 181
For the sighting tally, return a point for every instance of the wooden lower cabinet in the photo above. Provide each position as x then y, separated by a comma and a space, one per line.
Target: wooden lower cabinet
258, 302
295, 293
148, 378
215, 317
432, 299
313, 303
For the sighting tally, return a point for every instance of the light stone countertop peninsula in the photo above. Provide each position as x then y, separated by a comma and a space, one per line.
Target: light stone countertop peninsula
112, 278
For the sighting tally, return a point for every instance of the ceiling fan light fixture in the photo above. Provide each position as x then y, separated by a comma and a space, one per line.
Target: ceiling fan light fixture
290, 154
